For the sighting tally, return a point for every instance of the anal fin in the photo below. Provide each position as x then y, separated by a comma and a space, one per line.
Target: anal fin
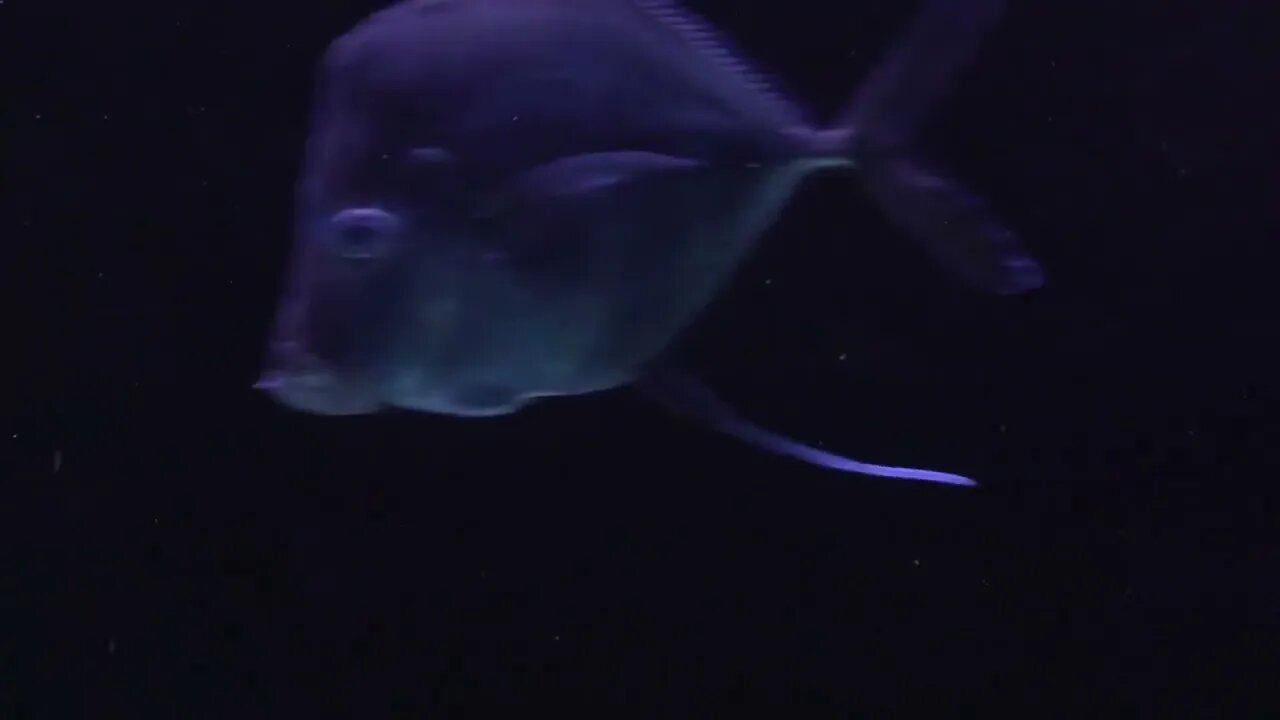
687, 396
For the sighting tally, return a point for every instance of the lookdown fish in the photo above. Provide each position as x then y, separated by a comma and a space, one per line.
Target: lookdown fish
506, 200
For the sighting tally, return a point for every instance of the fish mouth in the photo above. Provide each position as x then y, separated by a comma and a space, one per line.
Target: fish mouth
301, 381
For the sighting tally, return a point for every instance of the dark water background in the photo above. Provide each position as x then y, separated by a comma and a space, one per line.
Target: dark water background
174, 546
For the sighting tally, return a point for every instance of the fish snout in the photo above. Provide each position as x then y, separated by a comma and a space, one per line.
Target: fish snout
303, 382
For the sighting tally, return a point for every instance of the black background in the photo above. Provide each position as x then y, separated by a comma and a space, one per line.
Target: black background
176, 546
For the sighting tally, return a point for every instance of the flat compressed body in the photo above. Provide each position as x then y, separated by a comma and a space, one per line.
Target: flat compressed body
591, 287
503, 200
446, 115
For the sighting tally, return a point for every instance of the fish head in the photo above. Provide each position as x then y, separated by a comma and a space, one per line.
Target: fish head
390, 209
377, 212
370, 214
336, 325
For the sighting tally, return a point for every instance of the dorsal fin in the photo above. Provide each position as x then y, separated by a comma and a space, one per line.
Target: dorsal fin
704, 38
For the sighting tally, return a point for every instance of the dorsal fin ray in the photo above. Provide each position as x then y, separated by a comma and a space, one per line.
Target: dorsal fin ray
713, 45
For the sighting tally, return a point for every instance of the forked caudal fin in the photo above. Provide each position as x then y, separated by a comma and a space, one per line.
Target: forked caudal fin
689, 397
880, 126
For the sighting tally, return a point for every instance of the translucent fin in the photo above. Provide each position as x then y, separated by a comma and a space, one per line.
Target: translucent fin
712, 44
689, 397
899, 94
583, 174
954, 226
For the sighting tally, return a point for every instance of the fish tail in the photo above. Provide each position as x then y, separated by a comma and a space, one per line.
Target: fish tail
879, 130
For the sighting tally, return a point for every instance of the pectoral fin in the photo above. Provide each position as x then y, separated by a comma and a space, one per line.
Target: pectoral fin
582, 174
687, 396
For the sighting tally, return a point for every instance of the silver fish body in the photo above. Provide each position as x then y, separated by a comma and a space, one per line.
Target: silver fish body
503, 200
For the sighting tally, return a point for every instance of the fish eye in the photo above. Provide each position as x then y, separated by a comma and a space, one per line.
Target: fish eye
363, 233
